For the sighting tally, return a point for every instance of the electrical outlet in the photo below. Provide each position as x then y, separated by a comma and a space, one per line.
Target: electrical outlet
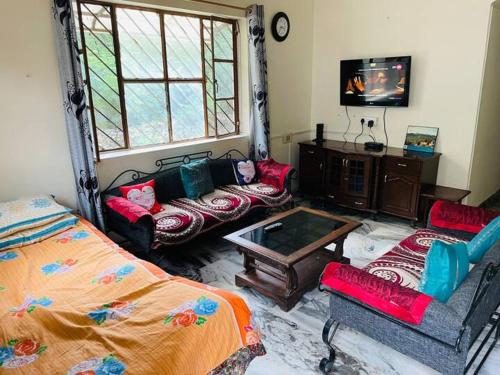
368, 119
287, 138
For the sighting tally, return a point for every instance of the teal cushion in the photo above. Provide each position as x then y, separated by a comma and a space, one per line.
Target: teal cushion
197, 179
484, 240
446, 266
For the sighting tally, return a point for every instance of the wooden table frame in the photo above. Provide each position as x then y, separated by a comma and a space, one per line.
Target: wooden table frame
287, 278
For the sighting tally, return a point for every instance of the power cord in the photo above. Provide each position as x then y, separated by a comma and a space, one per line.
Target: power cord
349, 124
371, 134
370, 125
362, 122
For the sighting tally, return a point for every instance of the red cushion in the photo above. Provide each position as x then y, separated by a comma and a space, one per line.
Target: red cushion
124, 207
143, 195
273, 173
403, 303
449, 215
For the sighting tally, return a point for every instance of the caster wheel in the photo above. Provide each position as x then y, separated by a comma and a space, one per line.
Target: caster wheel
326, 366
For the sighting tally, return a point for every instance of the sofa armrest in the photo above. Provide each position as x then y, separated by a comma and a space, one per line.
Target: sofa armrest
137, 225
459, 220
388, 302
276, 174
131, 211
402, 303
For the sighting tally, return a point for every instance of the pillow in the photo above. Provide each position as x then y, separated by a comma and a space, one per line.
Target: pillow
197, 179
142, 195
244, 171
29, 212
33, 235
449, 215
484, 240
273, 173
446, 266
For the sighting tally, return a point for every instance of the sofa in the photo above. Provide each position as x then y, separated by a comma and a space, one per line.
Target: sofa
182, 219
445, 332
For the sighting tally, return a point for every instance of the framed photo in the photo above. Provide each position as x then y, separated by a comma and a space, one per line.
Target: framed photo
421, 138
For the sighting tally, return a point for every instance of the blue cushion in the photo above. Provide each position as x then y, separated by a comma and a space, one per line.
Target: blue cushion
484, 240
446, 266
197, 179
244, 171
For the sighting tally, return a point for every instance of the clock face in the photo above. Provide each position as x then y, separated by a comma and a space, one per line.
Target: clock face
282, 27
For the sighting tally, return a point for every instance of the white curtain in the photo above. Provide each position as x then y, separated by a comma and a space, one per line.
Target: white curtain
259, 113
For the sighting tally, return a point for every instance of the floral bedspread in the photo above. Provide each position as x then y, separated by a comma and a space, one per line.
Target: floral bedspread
76, 303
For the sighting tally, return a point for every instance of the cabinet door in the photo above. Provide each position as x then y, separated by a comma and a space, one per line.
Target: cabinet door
399, 195
357, 175
311, 170
335, 173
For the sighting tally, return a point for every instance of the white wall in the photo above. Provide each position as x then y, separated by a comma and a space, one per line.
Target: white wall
447, 41
33, 146
485, 171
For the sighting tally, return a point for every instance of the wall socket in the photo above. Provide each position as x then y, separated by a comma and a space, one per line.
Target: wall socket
368, 119
287, 138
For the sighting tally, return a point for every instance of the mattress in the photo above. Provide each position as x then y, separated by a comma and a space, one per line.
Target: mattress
76, 303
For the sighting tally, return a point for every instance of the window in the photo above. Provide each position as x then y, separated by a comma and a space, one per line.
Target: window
156, 77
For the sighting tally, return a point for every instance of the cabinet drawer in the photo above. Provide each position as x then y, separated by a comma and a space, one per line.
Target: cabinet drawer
355, 202
311, 152
335, 197
402, 166
348, 201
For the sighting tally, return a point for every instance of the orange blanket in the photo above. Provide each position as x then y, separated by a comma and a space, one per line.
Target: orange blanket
76, 303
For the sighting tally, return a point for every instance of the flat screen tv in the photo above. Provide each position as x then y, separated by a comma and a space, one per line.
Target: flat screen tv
377, 82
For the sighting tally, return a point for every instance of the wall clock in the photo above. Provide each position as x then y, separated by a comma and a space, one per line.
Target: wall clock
280, 26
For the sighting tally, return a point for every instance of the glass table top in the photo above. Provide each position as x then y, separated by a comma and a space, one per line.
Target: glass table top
299, 230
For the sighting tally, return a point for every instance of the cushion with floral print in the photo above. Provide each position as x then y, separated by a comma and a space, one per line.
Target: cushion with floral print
142, 195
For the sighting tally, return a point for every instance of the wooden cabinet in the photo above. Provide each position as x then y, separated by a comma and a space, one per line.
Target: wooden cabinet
357, 175
334, 181
312, 161
399, 195
346, 174
401, 182
348, 178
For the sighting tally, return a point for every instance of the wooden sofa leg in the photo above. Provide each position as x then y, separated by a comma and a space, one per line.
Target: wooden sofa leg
326, 364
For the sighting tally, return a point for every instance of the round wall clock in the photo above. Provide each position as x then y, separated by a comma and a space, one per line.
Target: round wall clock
280, 26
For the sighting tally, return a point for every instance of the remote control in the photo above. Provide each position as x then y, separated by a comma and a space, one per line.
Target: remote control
273, 227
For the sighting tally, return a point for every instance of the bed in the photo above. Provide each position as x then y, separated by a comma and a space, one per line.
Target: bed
76, 303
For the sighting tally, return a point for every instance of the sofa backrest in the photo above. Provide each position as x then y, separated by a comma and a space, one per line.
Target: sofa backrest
168, 183
462, 299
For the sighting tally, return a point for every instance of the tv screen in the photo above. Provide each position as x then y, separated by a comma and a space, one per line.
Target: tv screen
380, 82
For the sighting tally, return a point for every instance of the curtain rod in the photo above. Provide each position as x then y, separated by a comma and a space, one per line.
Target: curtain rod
218, 4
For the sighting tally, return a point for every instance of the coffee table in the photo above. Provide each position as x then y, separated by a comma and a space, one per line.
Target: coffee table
285, 263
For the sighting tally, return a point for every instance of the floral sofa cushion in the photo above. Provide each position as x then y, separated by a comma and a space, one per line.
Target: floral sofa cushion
405, 263
261, 195
182, 219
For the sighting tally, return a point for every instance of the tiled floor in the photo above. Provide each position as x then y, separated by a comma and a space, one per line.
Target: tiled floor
293, 339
